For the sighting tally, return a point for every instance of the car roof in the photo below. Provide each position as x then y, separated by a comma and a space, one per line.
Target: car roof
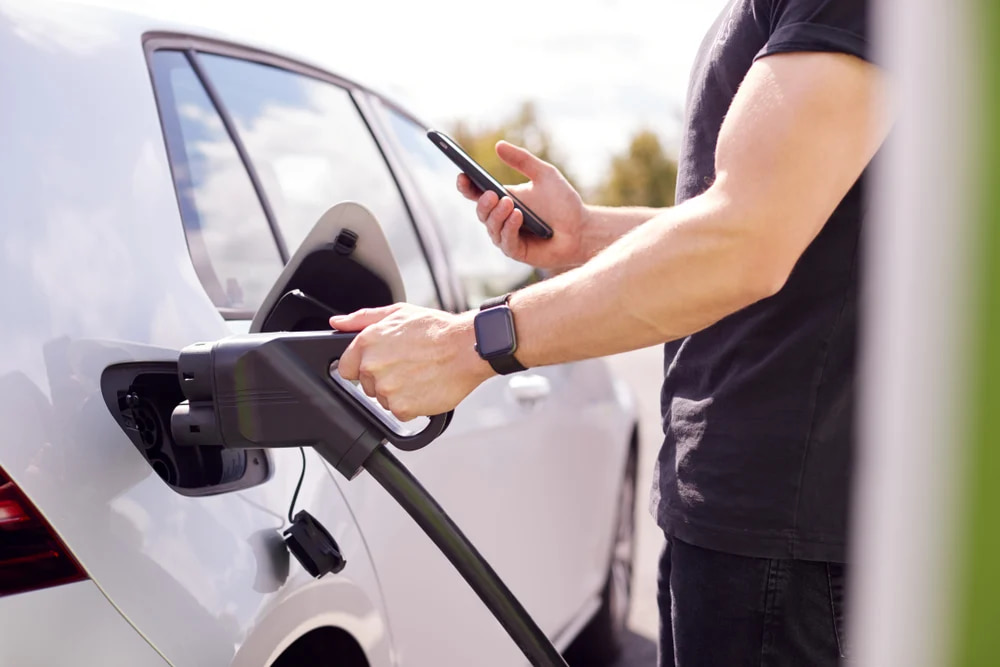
83, 25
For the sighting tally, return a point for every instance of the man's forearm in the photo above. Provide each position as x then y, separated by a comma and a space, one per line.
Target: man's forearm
605, 224
642, 290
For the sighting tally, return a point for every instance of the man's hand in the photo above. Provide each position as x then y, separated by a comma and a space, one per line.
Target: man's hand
414, 361
549, 195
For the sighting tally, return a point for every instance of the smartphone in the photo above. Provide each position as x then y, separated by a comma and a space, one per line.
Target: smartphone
484, 181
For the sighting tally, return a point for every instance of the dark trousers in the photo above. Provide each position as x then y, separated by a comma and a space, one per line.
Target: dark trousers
722, 610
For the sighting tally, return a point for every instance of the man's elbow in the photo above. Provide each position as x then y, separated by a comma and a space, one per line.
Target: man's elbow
763, 273
771, 277
759, 260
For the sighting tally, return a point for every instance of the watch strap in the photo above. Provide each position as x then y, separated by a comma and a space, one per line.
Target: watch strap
506, 365
495, 301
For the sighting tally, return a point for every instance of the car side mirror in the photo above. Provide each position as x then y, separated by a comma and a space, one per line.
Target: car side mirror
345, 263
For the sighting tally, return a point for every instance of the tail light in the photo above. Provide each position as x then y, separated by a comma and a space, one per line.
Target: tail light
31, 555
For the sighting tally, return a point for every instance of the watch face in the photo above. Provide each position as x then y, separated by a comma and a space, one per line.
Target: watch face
495, 332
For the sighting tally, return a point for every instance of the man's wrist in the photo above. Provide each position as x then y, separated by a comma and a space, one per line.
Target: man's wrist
589, 234
471, 364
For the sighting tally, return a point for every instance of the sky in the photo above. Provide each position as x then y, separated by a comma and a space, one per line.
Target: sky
598, 71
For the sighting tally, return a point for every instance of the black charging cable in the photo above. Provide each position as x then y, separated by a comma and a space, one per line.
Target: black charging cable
298, 487
421, 506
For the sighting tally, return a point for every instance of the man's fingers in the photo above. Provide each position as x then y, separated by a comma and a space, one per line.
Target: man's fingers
493, 229
349, 365
368, 383
468, 189
500, 213
485, 205
360, 319
510, 240
523, 160
495, 221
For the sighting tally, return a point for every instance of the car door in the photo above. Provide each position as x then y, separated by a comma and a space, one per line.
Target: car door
547, 445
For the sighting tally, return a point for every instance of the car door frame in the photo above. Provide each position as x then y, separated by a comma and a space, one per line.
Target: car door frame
369, 103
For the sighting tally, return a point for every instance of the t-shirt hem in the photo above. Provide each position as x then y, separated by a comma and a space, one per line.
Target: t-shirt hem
788, 544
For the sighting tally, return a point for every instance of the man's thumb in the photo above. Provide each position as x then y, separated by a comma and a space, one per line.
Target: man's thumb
522, 159
360, 319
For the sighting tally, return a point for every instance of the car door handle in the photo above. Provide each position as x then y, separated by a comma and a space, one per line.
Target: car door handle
529, 388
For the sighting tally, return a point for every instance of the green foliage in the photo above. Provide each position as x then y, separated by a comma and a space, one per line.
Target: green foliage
643, 176
523, 129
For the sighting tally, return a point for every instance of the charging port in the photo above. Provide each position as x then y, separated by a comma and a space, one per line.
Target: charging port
142, 397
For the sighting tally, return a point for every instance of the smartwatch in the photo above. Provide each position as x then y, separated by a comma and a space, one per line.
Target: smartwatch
496, 341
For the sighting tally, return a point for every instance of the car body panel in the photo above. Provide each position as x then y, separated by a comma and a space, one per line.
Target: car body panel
89, 628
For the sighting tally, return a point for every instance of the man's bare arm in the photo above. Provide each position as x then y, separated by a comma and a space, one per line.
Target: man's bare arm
607, 224
800, 131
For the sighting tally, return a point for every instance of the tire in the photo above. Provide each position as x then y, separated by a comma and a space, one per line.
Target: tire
600, 642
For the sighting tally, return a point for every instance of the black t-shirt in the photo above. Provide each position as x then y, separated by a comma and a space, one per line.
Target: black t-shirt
758, 408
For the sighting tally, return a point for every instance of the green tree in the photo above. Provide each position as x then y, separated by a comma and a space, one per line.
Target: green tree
523, 129
643, 176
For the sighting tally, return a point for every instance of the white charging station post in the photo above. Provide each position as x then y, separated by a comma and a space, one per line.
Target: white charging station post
926, 587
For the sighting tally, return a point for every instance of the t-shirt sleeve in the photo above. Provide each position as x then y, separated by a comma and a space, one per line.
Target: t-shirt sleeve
837, 26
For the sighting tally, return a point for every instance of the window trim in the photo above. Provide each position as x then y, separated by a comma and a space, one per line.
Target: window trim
241, 150
379, 109
410, 213
192, 45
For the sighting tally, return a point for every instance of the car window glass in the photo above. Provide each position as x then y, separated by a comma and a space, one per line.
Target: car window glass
482, 268
312, 149
231, 244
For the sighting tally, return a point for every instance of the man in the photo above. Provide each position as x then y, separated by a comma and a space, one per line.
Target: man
752, 282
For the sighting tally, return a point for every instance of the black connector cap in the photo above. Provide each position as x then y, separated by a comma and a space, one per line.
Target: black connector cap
313, 546
194, 424
195, 367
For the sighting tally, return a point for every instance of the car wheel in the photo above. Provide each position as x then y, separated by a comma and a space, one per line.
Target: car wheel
600, 642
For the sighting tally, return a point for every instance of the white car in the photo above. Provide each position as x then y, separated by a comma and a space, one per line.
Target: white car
153, 182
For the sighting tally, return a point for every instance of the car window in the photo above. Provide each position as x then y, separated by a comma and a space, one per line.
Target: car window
482, 268
230, 242
312, 149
